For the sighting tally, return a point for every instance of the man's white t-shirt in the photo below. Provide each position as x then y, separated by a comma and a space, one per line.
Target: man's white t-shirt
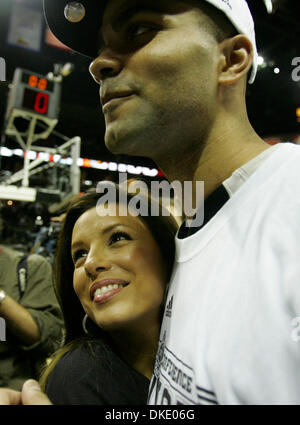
231, 328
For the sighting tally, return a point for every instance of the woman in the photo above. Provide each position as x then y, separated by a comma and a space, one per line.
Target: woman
111, 276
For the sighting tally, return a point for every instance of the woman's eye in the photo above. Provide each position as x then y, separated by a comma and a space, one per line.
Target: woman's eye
118, 236
78, 255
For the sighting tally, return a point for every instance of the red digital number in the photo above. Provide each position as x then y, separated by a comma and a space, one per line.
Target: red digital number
41, 103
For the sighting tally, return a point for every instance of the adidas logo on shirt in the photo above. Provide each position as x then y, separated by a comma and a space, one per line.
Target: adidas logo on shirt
169, 308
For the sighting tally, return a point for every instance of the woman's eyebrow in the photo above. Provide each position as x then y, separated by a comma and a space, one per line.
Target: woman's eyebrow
108, 229
113, 226
76, 245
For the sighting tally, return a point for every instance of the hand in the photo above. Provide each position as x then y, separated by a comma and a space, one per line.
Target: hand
33, 395
9, 397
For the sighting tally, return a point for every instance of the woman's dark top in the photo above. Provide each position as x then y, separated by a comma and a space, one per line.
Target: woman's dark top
96, 377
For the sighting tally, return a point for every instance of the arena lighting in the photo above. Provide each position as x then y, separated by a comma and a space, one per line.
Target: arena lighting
260, 60
84, 162
25, 194
60, 71
269, 6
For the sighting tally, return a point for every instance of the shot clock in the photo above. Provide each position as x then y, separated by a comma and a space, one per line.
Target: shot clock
34, 93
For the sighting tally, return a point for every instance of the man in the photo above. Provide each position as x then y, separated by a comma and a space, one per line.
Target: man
173, 78
31, 316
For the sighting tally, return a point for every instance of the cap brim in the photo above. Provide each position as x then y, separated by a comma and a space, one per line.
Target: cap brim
82, 36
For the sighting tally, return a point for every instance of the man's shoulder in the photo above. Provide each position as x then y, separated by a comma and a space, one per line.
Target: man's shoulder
287, 174
293, 153
9, 255
279, 175
36, 260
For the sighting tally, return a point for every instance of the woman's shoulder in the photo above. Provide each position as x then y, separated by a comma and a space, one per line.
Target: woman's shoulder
92, 373
87, 350
86, 358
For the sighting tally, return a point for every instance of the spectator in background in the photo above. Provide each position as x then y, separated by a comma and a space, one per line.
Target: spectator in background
32, 316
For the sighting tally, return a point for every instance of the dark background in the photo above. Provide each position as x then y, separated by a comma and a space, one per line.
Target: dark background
272, 100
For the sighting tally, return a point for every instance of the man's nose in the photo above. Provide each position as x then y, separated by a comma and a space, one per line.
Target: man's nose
105, 65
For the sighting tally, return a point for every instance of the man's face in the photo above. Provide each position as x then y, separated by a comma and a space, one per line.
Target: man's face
160, 66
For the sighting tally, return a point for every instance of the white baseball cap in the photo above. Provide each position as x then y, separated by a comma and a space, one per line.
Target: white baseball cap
77, 23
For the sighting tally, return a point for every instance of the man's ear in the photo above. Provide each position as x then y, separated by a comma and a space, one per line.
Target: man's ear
236, 59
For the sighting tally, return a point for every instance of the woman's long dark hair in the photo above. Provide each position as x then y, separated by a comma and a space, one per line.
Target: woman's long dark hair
163, 228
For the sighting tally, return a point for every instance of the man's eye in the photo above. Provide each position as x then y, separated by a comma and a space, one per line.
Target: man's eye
78, 255
119, 236
135, 30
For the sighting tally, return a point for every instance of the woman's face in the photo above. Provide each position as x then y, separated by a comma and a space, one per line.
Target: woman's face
119, 272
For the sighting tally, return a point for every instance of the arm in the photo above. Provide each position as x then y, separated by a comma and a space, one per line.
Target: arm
19, 321
41, 304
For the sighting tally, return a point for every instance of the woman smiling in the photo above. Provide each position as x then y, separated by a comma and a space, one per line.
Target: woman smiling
111, 277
